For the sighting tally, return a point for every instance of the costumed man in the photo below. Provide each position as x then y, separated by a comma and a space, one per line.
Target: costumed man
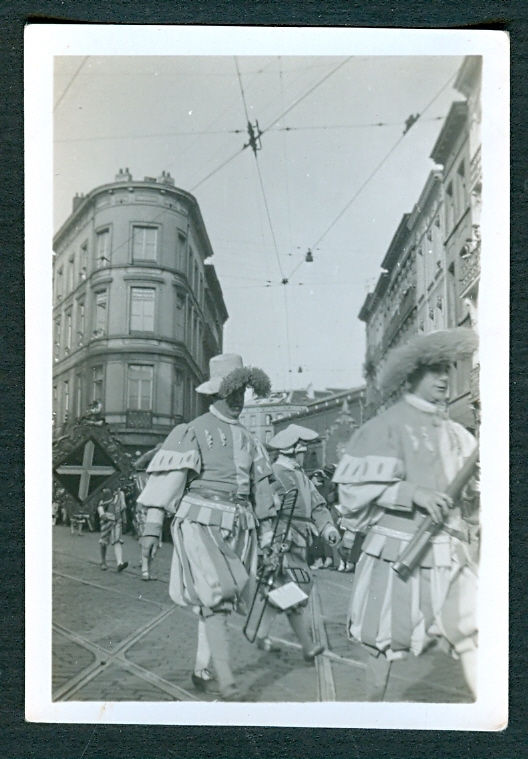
140, 515
310, 517
394, 473
112, 514
214, 477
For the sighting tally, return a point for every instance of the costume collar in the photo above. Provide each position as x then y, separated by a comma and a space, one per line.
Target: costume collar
214, 411
422, 405
287, 462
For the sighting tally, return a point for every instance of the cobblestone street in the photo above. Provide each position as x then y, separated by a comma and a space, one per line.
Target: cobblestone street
117, 638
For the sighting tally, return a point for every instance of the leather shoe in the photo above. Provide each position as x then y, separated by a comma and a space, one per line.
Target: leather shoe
315, 651
230, 693
266, 644
208, 684
122, 566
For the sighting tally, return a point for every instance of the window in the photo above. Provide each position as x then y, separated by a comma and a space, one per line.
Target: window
80, 323
83, 262
97, 384
190, 265
60, 284
103, 248
196, 280
66, 400
179, 318
450, 207
201, 292
461, 188
78, 396
68, 331
140, 387
71, 272
144, 243
57, 345
101, 313
142, 309
279, 415
180, 250
178, 392
267, 419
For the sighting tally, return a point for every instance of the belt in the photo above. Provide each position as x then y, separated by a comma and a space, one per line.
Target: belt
212, 511
390, 533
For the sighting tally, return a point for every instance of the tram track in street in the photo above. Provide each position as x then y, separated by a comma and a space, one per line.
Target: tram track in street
104, 658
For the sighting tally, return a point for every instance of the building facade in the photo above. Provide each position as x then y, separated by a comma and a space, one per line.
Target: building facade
138, 311
390, 311
430, 274
334, 418
259, 415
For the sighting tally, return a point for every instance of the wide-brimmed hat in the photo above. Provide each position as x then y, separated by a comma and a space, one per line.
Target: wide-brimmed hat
227, 373
441, 347
293, 434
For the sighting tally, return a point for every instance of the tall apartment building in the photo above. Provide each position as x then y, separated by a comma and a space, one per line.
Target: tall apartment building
138, 308
390, 311
430, 274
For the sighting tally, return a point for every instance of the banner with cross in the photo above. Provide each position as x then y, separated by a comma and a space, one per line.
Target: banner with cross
86, 459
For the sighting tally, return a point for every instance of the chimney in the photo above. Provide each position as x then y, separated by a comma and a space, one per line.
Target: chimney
123, 175
165, 178
77, 200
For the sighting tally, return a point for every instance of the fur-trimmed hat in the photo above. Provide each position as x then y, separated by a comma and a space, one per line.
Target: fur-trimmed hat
228, 373
441, 347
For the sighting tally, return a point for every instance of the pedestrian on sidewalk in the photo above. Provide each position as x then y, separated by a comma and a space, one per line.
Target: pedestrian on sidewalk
310, 516
213, 476
112, 514
395, 473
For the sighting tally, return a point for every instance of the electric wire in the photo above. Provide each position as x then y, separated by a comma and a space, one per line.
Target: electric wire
74, 77
242, 90
375, 171
309, 92
381, 163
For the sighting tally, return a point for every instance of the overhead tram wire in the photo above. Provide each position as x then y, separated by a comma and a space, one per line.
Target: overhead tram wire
159, 215
74, 77
373, 173
237, 131
309, 92
255, 152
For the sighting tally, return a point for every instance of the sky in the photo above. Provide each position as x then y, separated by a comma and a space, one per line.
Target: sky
313, 184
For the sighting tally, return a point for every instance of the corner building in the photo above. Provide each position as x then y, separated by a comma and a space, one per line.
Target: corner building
138, 308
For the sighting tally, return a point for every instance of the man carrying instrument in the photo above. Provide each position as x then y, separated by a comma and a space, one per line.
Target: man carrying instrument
310, 517
214, 477
395, 472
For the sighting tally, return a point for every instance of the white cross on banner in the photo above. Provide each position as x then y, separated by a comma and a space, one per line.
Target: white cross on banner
86, 470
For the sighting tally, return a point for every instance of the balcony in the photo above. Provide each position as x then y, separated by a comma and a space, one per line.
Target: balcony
470, 268
474, 383
139, 420
476, 169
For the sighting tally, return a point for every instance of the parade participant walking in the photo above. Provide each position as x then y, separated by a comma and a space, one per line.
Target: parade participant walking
394, 473
141, 477
310, 517
112, 514
214, 476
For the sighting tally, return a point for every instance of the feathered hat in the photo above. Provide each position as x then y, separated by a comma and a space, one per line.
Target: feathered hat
228, 373
441, 347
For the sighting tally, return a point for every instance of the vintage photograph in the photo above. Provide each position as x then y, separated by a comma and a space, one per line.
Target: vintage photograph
266, 396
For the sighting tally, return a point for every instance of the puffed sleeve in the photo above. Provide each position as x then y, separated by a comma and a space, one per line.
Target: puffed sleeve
169, 469
320, 513
372, 470
261, 488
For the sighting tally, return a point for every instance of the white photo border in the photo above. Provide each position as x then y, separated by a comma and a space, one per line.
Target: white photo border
42, 44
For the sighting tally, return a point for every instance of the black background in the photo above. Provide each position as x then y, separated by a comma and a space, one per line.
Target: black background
18, 739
